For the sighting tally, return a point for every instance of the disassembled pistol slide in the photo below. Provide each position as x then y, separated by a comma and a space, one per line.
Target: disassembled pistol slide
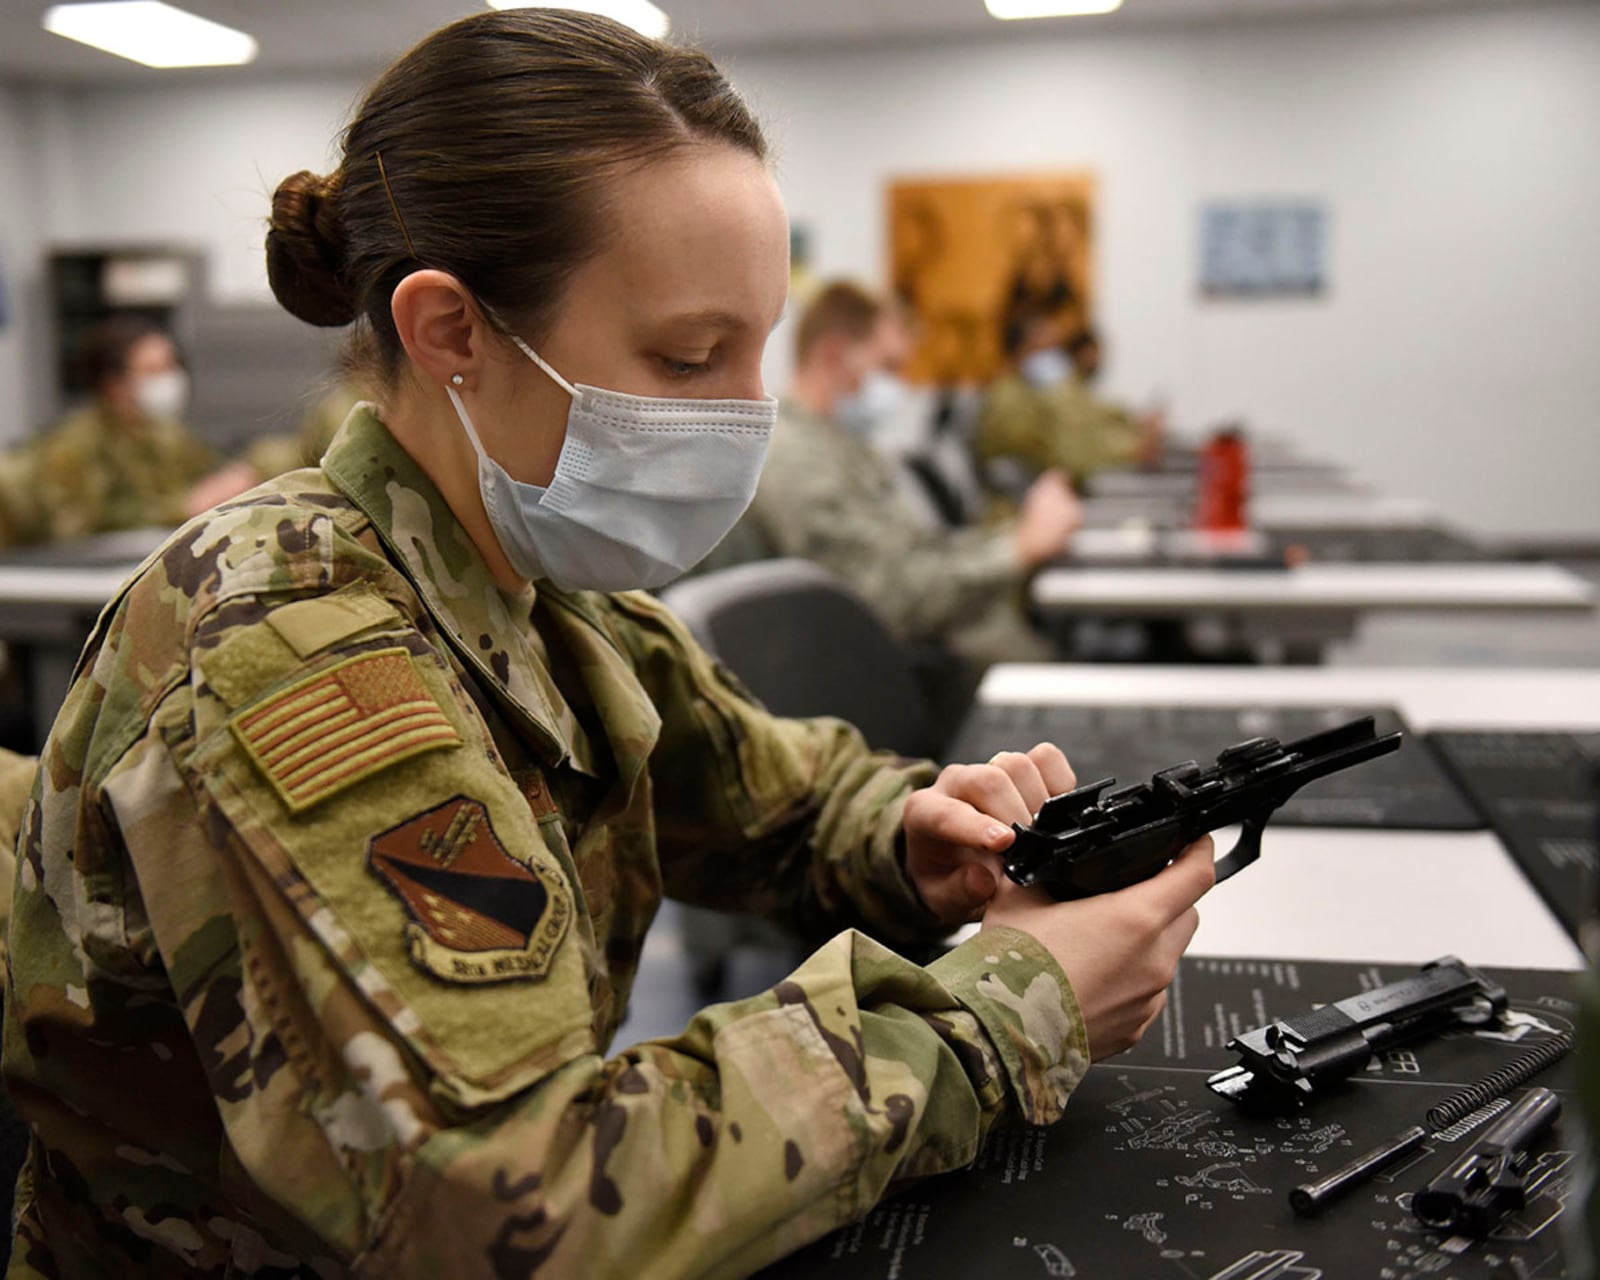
1089, 841
1291, 1060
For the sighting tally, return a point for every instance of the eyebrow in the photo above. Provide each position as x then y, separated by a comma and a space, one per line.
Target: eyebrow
713, 319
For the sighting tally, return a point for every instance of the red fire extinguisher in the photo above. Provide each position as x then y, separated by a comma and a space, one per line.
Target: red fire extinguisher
1224, 482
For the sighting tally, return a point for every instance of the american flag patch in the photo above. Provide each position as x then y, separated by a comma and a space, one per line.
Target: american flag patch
335, 728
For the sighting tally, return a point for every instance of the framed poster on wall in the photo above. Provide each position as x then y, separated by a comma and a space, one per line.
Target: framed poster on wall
969, 256
1263, 249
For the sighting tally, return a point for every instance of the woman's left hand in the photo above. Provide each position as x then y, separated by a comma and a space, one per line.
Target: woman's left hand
957, 829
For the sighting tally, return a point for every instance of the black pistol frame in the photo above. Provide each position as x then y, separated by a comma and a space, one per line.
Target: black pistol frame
1092, 841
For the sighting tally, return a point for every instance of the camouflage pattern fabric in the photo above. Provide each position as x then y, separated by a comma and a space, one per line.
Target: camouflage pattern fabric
1063, 426
331, 894
92, 475
828, 496
16, 784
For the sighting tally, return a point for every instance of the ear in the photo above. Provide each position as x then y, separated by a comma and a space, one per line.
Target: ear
440, 326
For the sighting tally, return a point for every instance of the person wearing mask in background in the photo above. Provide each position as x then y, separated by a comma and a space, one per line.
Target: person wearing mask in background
827, 495
1042, 413
124, 461
343, 850
1085, 352
1083, 349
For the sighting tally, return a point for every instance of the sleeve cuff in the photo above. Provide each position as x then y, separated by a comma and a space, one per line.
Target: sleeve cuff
990, 555
1024, 1002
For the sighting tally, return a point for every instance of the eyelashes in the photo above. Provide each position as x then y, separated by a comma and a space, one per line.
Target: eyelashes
684, 368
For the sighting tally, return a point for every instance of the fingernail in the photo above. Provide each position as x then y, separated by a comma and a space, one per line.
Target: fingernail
996, 833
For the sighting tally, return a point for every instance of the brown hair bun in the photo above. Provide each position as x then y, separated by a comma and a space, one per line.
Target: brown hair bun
305, 251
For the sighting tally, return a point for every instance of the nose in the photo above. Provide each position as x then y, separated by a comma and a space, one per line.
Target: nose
747, 383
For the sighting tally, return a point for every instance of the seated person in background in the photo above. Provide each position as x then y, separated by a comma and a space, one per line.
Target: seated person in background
1084, 350
123, 461
1042, 412
826, 495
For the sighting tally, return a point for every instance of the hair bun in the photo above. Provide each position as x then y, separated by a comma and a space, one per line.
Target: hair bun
305, 251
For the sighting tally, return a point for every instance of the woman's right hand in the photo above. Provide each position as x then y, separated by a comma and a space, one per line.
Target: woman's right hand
1050, 515
1119, 950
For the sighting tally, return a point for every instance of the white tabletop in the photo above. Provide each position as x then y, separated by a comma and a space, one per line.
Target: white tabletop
1263, 482
1339, 511
1439, 697
56, 585
1138, 544
1406, 896
1271, 508
1318, 586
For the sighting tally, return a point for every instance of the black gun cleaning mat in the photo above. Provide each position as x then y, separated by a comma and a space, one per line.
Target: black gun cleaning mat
1150, 1175
1541, 794
1405, 790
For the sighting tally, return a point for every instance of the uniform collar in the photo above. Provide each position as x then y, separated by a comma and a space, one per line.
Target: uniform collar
491, 630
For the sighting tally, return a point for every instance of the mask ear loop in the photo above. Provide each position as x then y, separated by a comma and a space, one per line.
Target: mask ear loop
540, 361
526, 350
461, 412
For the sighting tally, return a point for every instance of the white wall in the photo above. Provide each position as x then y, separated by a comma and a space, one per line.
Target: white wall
1453, 359
19, 267
194, 166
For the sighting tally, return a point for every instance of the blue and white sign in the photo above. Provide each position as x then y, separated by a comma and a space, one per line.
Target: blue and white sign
1263, 249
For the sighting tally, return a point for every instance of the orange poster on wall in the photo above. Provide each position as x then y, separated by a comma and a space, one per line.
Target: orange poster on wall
971, 258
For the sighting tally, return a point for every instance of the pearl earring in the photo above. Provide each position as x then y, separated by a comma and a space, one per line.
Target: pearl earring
456, 380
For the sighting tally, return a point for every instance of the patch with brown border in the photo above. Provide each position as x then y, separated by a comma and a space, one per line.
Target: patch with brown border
477, 914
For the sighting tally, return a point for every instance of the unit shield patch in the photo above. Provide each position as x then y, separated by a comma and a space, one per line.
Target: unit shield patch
477, 914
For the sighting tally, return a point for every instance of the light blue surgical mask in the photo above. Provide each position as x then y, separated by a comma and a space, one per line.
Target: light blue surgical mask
1047, 368
644, 488
879, 397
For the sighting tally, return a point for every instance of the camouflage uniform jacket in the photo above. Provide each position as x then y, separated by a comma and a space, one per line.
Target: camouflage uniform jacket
1064, 426
16, 785
332, 891
91, 475
828, 496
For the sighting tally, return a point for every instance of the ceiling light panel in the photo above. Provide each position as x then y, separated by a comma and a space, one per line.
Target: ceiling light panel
150, 32
1009, 9
641, 15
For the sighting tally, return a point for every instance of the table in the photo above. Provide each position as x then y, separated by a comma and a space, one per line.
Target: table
1187, 1186
1149, 1175
1285, 510
1307, 607
1264, 482
50, 597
